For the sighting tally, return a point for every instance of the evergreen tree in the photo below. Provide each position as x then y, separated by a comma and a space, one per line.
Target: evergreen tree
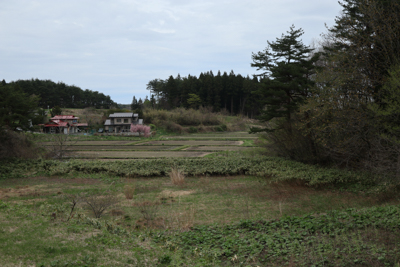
134, 104
286, 74
55, 111
153, 101
17, 109
140, 103
366, 39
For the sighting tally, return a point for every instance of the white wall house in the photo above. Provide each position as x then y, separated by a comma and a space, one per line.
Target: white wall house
121, 122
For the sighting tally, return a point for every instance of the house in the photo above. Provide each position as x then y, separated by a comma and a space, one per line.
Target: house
121, 122
67, 124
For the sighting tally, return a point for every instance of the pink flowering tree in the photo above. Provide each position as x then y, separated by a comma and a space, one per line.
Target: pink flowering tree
141, 129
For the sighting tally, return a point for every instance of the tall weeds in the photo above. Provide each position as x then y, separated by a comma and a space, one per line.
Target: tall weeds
177, 176
129, 191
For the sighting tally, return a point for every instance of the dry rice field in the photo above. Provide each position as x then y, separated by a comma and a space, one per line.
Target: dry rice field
194, 143
140, 154
199, 145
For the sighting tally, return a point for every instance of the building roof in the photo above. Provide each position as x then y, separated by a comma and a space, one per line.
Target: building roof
64, 117
56, 124
124, 115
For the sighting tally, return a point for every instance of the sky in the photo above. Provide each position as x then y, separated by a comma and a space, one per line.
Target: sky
117, 46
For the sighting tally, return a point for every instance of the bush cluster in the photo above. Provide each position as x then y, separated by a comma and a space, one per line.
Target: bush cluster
18, 145
274, 168
181, 116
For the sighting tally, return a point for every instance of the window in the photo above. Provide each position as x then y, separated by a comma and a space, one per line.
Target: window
118, 120
125, 120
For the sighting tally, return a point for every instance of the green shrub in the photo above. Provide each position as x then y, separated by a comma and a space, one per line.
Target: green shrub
172, 127
193, 129
18, 145
152, 127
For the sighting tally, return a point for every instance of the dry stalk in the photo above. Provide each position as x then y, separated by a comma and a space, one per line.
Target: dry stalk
129, 191
177, 176
74, 200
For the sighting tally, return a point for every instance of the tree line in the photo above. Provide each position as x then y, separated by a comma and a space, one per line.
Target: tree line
59, 94
339, 102
231, 92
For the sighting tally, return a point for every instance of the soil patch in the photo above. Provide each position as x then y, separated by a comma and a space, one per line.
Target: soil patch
170, 193
132, 148
93, 143
195, 143
216, 148
140, 154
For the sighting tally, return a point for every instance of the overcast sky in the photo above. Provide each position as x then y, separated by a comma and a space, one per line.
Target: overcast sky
117, 46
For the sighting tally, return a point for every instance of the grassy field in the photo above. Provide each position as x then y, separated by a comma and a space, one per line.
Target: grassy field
202, 221
226, 209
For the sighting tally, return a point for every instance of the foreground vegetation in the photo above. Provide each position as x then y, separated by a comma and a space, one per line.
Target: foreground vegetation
224, 163
232, 209
200, 221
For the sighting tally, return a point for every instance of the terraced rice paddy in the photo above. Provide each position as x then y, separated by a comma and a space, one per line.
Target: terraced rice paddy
193, 145
216, 148
95, 143
129, 148
223, 135
140, 154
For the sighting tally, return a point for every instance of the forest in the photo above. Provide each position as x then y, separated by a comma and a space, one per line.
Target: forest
59, 94
231, 92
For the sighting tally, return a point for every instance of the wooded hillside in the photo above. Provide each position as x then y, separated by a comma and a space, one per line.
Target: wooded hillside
60, 94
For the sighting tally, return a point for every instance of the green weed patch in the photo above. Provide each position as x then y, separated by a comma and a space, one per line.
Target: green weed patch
339, 238
231, 163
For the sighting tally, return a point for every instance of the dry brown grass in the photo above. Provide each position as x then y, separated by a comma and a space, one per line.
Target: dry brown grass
149, 211
129, 191
181, 220
117, 212
177, 176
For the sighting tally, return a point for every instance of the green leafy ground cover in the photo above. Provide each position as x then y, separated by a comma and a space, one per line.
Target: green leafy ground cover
207, 221
366, 237
228, 163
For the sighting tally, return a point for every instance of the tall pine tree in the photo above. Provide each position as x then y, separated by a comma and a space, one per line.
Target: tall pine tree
287, 67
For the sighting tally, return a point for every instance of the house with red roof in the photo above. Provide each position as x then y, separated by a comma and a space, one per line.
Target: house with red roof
67, 124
